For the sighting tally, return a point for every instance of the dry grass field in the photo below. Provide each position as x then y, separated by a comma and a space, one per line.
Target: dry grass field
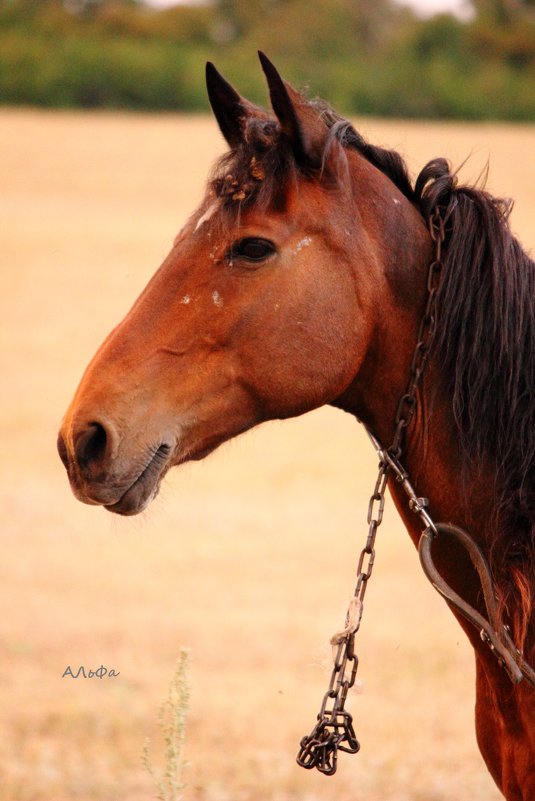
247, 558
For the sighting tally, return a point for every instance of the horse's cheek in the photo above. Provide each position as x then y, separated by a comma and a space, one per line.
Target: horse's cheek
302, 354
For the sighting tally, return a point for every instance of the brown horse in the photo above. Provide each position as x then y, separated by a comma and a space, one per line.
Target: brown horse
301, 281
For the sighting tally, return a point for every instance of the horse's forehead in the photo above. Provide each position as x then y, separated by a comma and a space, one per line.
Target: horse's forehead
306, 205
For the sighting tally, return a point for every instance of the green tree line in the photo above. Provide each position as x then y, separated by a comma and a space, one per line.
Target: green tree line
366, 56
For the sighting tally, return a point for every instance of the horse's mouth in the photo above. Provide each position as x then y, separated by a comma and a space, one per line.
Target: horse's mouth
145, 487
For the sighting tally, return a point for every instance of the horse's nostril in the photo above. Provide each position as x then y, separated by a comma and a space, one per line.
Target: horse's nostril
90, 444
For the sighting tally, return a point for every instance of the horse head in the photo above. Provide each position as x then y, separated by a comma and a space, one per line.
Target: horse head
271, 302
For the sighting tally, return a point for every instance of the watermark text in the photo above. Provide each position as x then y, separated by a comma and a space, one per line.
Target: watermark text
99, 673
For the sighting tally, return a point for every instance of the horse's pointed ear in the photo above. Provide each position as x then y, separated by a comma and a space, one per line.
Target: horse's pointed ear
281, 100
229, 108
298, 119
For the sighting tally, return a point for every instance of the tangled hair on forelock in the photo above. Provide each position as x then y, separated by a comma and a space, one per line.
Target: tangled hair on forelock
258, 170
262, 166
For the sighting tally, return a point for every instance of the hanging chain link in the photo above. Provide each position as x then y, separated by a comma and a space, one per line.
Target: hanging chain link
334, 729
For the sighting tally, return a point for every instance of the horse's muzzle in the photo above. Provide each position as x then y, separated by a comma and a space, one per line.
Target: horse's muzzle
99, 476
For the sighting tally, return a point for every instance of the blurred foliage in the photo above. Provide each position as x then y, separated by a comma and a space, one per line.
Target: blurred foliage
364, 56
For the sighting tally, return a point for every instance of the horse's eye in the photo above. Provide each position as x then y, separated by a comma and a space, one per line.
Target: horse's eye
252, 249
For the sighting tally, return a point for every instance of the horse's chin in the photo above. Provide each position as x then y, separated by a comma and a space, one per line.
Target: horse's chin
135, 500
146, 487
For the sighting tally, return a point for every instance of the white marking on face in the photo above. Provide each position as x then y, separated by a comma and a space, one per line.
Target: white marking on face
303, 243
396, 200
186, 299
210, 211
217, 300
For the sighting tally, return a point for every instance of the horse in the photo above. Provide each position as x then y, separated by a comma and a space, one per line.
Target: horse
301, 280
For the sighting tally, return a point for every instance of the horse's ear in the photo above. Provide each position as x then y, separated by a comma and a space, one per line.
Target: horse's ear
299, 120
229, 108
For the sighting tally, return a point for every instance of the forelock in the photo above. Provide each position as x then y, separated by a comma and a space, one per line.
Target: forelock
258, 170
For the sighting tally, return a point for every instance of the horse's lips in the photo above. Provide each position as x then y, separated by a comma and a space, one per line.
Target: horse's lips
145, 488
142, 491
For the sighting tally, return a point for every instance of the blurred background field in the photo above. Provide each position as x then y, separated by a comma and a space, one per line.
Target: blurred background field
375, 57
247, 558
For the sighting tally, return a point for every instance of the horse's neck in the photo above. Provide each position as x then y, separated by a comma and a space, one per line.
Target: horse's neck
457, 494
505, 715
433, 458
432, 454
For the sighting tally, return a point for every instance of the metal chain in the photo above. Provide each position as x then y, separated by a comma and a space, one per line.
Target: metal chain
409, 401
334, 727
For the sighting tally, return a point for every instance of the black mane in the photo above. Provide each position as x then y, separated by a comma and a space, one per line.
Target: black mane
486, 345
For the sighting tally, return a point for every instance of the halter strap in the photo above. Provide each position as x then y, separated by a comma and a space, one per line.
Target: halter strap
492, 632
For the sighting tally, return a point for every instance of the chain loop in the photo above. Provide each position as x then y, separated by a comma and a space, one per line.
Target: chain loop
334, 727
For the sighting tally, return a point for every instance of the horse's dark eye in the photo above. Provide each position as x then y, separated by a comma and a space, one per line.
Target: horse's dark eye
252, 249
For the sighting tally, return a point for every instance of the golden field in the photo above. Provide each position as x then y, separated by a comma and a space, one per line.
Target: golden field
247, 559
